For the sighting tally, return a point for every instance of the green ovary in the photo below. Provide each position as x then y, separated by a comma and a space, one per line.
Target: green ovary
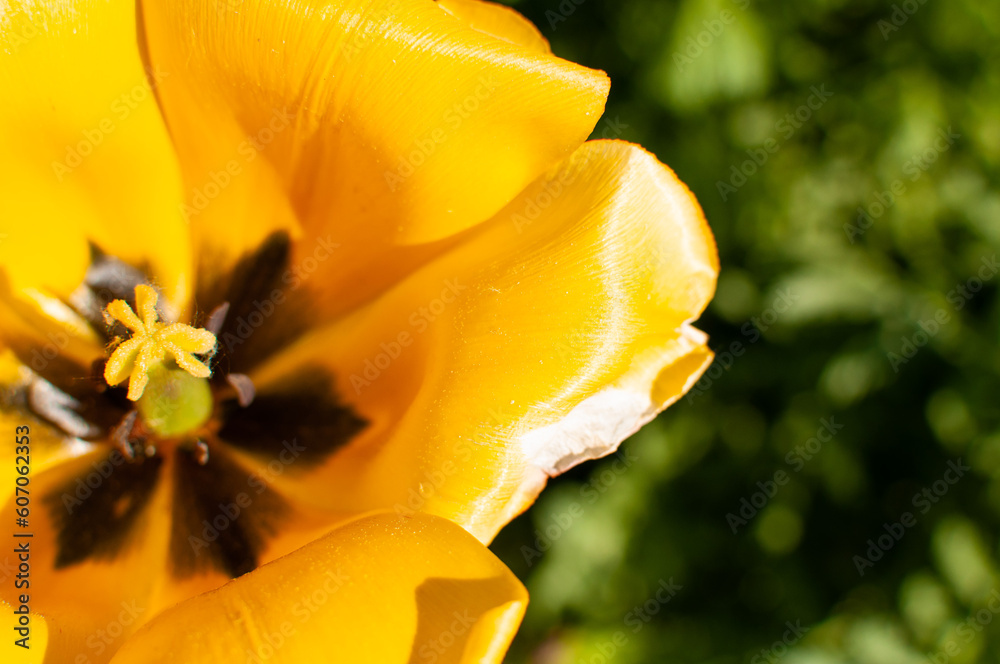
174, 402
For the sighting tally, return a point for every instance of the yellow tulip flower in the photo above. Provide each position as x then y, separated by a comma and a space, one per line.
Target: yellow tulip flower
300, 303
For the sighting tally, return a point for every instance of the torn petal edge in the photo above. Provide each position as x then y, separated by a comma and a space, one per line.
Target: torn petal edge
598, 424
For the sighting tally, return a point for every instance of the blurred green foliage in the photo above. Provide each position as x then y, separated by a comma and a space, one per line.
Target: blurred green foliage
822, 312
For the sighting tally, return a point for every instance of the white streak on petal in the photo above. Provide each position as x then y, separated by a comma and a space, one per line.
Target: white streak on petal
598, 424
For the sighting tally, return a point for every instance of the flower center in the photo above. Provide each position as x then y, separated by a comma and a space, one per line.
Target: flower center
191, 418
164, 376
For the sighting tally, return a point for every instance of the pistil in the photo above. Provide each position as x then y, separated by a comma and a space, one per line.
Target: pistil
164, 377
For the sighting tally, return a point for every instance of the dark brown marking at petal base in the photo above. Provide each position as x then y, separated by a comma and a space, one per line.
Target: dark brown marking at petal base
265, 309
222, 515
108, 279
305, 413
98, 525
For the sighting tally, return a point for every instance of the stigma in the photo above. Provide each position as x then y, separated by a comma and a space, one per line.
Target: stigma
158, 360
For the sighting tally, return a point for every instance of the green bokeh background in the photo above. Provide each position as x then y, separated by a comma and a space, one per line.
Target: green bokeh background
822, 310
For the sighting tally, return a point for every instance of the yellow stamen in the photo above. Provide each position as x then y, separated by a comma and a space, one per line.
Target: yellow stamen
151, 343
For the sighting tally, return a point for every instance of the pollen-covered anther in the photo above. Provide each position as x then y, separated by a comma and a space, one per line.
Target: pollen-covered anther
152, 343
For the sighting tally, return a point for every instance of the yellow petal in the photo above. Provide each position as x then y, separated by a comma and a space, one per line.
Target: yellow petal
542, 341
46, 334
378, 124
497, 20
85, 154
91, 607
382, 588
